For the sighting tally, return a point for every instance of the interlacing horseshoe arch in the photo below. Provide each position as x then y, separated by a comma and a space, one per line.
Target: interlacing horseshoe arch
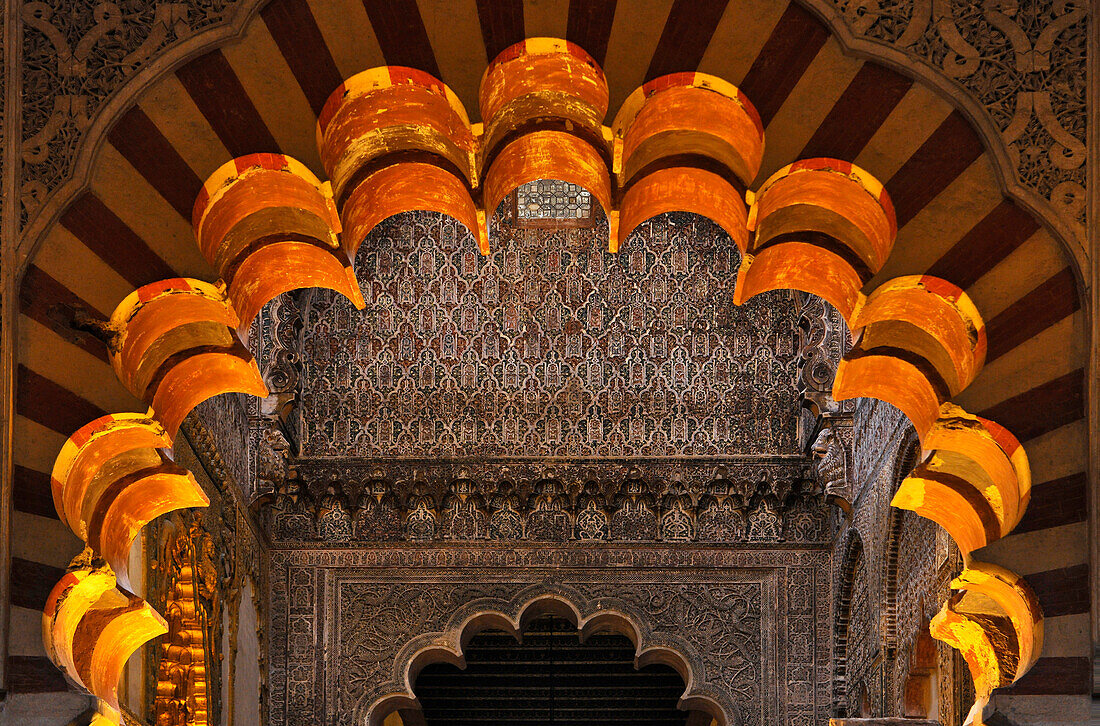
394, 139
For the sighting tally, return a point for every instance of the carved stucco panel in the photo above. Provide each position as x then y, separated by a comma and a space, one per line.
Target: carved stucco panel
74, 57
751, 622
1023, 62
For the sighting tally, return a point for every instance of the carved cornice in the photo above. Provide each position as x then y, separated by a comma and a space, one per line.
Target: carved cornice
626, 501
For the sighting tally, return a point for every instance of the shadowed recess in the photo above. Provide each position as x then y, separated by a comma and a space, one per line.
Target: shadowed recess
551, 677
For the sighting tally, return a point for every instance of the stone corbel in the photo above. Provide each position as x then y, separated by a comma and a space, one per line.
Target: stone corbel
832, 460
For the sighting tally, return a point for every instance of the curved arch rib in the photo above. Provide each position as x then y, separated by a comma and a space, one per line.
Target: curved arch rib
684, 119
822, 226
114, 476
90, 628
393, 140
542, 83
920, 342
268, 225
995, 621
549, 155
177, 345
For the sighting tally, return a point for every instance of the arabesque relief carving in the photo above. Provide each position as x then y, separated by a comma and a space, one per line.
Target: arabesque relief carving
549, 347
821, 226
1023, 62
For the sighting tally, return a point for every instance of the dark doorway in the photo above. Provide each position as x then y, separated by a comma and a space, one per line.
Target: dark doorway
550, 678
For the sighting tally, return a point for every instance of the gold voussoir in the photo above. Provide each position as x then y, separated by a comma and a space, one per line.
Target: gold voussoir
693, 117
389, 114
177, 345
267, 225
935, 491
114, 476
920, 341
929, 317
543, 83
1015, 600
406, 186
90, 627
988, 456
822, 226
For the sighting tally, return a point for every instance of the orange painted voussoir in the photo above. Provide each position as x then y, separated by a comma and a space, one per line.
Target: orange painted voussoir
684, 189
540, 65
404, 187
801, 266
76, 466
893, 380
692, 120
284, 266
547, 155
1016, 598
202, 376
141, 502
258, 191
826, 202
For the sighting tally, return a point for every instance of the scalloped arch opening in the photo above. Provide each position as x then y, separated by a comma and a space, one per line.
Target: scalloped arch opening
514, 620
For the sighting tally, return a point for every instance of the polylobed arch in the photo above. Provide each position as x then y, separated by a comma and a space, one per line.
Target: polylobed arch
196, 48
843, 27
513, 617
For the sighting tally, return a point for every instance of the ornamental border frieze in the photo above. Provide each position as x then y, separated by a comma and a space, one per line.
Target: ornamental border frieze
627, 501
1018, 70
518, 555
670, 607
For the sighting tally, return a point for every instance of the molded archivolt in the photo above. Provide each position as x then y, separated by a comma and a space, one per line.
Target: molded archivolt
394, 139
513, 617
